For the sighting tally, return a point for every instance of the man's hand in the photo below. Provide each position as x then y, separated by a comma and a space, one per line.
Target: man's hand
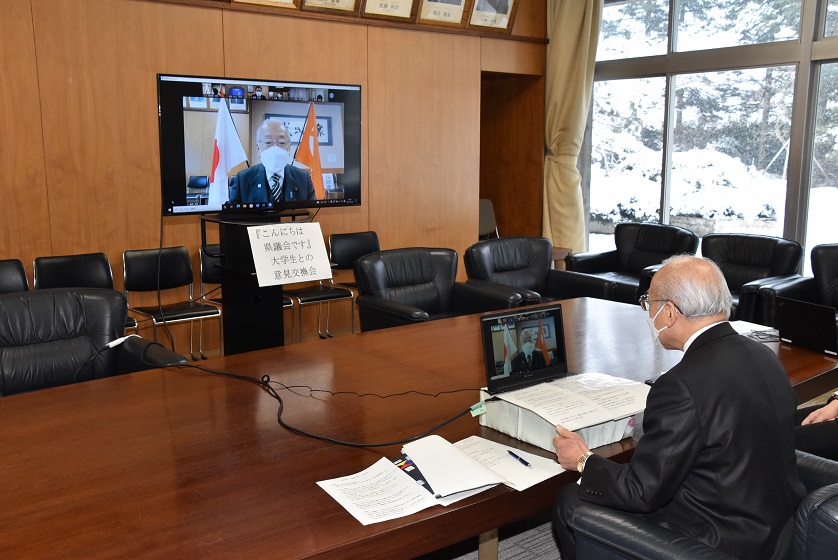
828, 412
569, 448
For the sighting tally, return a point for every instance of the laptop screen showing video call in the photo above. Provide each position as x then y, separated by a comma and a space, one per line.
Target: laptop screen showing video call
524, 347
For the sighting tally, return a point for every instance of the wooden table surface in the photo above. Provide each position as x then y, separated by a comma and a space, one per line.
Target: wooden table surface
180, 463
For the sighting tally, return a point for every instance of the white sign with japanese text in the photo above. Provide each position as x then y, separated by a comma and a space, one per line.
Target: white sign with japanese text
290, 252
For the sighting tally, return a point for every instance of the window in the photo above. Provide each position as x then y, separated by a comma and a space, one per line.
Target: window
722, 116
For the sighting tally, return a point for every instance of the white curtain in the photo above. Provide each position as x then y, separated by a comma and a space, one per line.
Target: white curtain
573, 31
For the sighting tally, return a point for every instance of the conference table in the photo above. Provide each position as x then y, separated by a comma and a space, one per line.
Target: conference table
184, 463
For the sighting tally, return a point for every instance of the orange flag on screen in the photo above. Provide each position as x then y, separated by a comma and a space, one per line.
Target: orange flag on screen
541, 344
308, 152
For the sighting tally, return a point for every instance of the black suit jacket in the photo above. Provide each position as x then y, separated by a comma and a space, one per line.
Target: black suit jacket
519, 362
716, 459
251, 185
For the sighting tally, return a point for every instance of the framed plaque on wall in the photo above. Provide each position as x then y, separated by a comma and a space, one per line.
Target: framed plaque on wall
495, 15
399, 10
293, 4
343, 7
451, 13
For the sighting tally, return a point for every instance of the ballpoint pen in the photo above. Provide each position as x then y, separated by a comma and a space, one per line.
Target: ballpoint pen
519, 459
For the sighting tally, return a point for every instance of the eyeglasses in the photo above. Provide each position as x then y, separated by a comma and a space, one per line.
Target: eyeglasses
644, 302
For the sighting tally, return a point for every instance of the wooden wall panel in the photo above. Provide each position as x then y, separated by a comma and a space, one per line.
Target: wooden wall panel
512, 57
424, 138
78, 96
511, 172
24, 216
97, 64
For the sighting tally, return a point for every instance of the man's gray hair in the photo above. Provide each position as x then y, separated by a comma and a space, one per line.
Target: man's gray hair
696, 286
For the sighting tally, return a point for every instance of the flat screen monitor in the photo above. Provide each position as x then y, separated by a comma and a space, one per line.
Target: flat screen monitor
198, 138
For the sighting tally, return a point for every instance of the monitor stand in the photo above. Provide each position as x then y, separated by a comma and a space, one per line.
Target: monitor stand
252, 316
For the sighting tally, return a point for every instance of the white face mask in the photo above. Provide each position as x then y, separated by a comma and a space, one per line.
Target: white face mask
655, 332
527, 348
275, 158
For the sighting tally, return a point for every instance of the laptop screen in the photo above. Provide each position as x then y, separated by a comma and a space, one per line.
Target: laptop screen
523, 347
806, 324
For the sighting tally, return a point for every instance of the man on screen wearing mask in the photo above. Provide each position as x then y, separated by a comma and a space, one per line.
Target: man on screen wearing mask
526, 359
716, 460
275, 179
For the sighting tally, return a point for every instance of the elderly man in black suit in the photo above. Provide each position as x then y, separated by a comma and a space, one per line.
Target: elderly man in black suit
706, 465
274, 179
528, 358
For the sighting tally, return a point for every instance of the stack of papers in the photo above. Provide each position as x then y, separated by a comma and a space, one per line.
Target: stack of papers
448, 473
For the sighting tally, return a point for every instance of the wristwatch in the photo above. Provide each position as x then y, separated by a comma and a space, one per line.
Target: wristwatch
834, 397
580, 466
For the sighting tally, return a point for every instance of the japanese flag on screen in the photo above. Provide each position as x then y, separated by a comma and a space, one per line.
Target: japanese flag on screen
227, 154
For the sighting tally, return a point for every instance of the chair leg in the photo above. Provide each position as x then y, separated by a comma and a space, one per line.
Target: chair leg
201, 339
220, 336
191, 340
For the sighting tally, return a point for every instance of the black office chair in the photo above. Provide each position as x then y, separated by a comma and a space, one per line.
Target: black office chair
638, 246
820, 288
418, 284
608, 534
87, 270
488, 225
12, 276
749, 261
37, 351
344, 249
210, 289
197, 189
522, 264
147, 270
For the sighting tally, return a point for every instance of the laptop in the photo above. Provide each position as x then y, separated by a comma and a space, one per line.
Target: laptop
808, 325
508, 366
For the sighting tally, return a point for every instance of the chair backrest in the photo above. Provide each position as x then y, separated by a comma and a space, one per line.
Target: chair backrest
519, 262
418, 276
211, 272
346, 248
816, 518
197, 183
488, 224
12, 276
641, 245
89, 270
144, 267
825, 271
38, 351
743, 257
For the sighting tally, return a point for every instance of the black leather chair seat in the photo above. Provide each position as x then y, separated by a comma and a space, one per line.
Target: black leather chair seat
175, 312
418, 284
522, 265
320, 292
820, 288
639, 249
749, 261
46, 336
609, 534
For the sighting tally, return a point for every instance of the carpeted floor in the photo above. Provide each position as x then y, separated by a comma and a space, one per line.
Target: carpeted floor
531, 539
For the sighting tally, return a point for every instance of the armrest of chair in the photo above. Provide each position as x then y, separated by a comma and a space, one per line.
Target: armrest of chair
138, 354
603, 534
815, 471
757, 298
479, 297
796, 287
379, 313
592, 262
527, 296
566, 284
